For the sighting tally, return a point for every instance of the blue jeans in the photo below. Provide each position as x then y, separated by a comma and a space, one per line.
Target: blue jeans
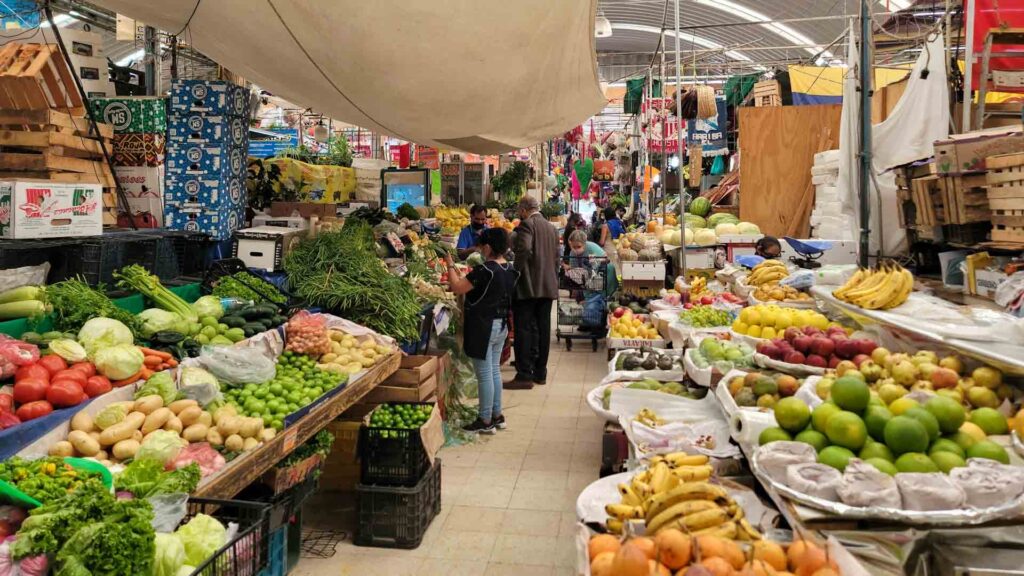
488, 372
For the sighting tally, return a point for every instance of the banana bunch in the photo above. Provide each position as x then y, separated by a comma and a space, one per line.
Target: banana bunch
767, 272
879, 288
674, 493
698, 286
452, 219
648, 417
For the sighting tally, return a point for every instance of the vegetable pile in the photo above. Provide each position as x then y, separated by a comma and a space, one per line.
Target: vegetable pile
138, 279
146, 477
246, 286
47, 383
23, 302
44, 479
74, 303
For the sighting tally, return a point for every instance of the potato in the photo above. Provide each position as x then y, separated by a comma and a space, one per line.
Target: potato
156, 420
102, 455
229, 425
224, 412
94, 435
116, 433
137, 436
106, 462
126, 449
133, 420
267, 434
85, 445
195, 433
251, 427
214, 438
148, 404
62, 448
174, 425
250, 443
205, 418
189, 415
82, 421
178, 405
234, 443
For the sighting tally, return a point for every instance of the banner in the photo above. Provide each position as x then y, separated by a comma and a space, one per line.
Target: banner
313, 182
428, 157
710, 132
660, 125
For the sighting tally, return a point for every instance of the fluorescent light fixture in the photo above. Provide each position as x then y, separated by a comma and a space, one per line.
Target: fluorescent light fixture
691, 78
674, 162
602, 26
74, 13
698, 40
60, 20
134, 56
754, 16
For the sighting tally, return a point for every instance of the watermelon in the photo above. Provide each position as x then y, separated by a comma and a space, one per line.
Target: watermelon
700, 206
722, 218
694, 221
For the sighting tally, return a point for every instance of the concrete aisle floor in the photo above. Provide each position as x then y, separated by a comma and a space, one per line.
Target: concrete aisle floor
507, 501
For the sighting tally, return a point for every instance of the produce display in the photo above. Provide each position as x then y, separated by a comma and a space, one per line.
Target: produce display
770, 292
880, 288
23, 302
44, 479
405, 416
812, 346
452, 220
626, 301
246, 286
629, 325
770, 321
704, 316
756, 389
349, 355
768, 272
638, 246
73, 303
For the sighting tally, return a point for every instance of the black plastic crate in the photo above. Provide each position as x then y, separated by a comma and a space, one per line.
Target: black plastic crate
392, 456
58, 252
397, 517
248, 552
283, 506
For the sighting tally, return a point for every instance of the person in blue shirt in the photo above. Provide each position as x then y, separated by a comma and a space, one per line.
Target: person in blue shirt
586, 257
613, 227
470, 235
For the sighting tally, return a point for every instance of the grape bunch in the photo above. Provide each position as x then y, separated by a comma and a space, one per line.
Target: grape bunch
701, 316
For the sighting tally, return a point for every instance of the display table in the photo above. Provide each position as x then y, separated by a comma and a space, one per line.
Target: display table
248, 467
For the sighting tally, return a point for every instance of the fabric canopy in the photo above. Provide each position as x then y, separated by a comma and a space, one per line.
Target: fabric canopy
482, 76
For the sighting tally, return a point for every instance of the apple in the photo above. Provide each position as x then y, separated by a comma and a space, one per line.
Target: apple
833, 361
835, 331
942, 377
860, 359
822, 346
812, 331
988, 377
707, 300
816, 361
844, 366
802, 342
879, 355
688, 305
619, 312
865, 346
926, 369
794, 357
846, 349
872, 372
770, 350
925, 356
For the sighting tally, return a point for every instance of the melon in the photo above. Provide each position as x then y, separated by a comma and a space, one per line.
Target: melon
627, 255
666, 236
689, 237
694, 221
721, 218
726, 228
704, 237
700, 206
748, 228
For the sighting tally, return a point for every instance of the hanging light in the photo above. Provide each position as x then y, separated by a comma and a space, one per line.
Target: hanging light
674, 161
602, 26
320, 132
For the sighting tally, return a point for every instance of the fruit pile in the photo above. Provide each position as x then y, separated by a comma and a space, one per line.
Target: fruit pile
702, 316
630, 325
812, 347
675, 552
219, 333
452, 220
674, 388
880, 288
49, 383
407, 416
348, 355
906, 436
766, 273
713, 351
762, 390
708, 298
771, 321
780, 293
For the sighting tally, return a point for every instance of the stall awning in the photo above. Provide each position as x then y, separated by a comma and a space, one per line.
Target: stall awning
483, 76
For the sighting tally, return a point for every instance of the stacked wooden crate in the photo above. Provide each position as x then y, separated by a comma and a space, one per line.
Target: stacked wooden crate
1005, 190
767, 93
920, 201
414, 381
965, 199
44, 133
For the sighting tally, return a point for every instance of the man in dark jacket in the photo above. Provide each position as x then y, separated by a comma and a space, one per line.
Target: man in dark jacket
535, 244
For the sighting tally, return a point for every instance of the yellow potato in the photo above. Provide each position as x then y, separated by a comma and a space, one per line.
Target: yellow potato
82, 421
83, 443
62, 448
148, 404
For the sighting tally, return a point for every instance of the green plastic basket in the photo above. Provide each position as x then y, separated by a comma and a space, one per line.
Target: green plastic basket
13, 495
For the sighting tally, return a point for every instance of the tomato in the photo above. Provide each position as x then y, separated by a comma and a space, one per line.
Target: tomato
67, 381
97, 385
87, 368
29, 390
6, 402
63, 394
75, 375
32, 371
52, 363
34, 410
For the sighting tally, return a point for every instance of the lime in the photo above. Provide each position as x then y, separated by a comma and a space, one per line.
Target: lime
915, 462
883, 465
851, 394
990, 420
814, 438
946, 445
988, 449
930, 423
792, 414
774, 434
821, 414
948, 412
875, 418
946, 461
836, 457
905, 434
876, 450
846, 429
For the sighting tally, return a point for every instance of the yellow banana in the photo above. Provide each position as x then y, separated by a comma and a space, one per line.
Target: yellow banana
659, 477
624, 511
699, 520
854, 280
890, 283
745, 531
901, 296
727, 530
683, 492
681, 509
684, 459
629, 497
654, 462
693, 473
614, 525
642, 490
876, 280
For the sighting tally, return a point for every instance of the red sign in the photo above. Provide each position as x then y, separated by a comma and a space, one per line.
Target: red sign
428, 157
662, 129
997, 15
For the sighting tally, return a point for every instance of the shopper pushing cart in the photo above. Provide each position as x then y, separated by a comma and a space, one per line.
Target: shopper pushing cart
586, 280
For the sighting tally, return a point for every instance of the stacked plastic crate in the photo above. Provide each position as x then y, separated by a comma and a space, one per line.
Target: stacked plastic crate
207, 147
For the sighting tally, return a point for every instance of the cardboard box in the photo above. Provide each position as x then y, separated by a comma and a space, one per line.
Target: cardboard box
305, 209
340, 471
637, 270
986, 281
294, 222
204, 128
139, 149
416, 393
412, 371
209, 96
102, 88
148, 205
966, 153
266, 246
46, 209
133, 114
216, 224
141, 181
206, 192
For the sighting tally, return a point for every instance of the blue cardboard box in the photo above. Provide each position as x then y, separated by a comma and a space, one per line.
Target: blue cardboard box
208, 191
208, 96
205, 159
198, 128
220, 225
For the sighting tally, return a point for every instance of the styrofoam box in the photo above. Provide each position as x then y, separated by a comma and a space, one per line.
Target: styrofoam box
266, 246
826, 156
643, 270
296, 222
46, 209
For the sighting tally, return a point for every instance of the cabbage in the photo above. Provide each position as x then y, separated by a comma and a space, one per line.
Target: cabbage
748, 228
705, 237
208, 306
68, 349
169, 555
202, 537
161, 445
102, 332
155, 320
113, 414
161, 384
118, 362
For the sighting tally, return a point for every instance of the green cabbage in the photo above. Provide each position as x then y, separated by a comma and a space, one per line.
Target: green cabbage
161, 445
118, 362
161, 384
208, 306
113, 414
169, 556
202, 537
103, 332
155, 320
68, 349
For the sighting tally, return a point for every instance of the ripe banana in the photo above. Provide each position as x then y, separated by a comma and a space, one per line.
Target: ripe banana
852, 283
699, 520
745, 531
683, 492
904, 292
629, 496
659, 477
883, 287
614, 525
727, 530
681, 509
693, 473
676, 459
654, 461
624, 511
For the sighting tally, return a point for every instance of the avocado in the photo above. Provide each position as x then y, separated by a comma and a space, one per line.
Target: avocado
649, 362
631, 363
664, 363
745, 397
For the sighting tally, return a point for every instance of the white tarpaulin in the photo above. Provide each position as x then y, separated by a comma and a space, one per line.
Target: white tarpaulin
483, 76
919, 119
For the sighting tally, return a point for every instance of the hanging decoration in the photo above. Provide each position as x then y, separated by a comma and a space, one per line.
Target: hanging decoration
584, 172
709, 133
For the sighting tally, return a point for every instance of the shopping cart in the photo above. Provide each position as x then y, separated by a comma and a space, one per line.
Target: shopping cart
581, 305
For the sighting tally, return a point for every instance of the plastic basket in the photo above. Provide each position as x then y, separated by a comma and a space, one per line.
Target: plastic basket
282, 505
396, 517
392, 456
277, 565
247, 553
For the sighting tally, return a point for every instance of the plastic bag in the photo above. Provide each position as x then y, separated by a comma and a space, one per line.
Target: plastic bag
801, 279
231, 365
168, 511
202, 454
17, 352
307, 334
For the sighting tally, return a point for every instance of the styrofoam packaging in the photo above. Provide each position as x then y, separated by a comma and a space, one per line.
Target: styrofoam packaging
826, 156
829, 179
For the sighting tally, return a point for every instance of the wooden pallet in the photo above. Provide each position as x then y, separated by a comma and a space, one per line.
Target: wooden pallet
966, 199
52, 121
35, 77
767, 93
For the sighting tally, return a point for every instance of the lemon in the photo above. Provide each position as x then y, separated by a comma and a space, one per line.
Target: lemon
768, 317
783, 321
819, 321
768, 332
754, 331
739, 327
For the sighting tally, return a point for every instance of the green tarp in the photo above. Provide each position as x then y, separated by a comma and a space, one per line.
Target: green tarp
737, 88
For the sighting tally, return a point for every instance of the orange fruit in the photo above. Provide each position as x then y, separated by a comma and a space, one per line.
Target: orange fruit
603, 543
630, 561
717, 566
771, 553
812, 560
732, 552
709, 547
673, 548
646, 545
656, 569
796, 549
761, 568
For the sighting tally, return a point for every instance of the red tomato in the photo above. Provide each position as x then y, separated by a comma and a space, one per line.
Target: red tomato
75, 375
32, 371
97, 385
29, 390
86, 367
52, 363
6, 402
34, 410
73, 383
64, 394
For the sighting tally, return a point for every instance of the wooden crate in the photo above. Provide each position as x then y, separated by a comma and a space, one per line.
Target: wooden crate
384, 393
1005, 186
35, 77
930, 209
965, 199
767, 93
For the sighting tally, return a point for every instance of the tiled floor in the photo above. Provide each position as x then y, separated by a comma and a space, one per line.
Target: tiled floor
507, 501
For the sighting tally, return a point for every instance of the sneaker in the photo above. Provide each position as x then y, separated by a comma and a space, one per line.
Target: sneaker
480, 426
499, 422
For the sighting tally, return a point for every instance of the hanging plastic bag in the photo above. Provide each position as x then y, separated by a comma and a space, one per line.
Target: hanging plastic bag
237, 365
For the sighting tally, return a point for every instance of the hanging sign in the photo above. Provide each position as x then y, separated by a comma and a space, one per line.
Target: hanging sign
662, 129
709, 133
428, 157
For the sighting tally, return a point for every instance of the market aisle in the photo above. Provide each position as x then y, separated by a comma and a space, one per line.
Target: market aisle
508, 501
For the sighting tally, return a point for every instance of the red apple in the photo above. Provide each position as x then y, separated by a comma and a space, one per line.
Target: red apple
792, 333
816, 361
944, 378
802, 343
865, 346
822, 346
846, 349
860, 358
794, 357
619, 312
707, 300
834, 361
812, 331
688, 305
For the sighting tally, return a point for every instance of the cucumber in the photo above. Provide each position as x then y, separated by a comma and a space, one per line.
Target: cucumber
255, 327
166, 337
267, 309
278, 320
52, 335
233, 321
249, 313
266, 322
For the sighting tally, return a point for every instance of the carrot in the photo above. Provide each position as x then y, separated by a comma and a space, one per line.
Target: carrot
145, 373
151, 352
129, 380
153, 361
170, 362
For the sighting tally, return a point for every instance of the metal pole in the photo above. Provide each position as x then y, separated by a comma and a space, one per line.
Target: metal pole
664, 129
864, 178
679, 143
965, 125
150, 48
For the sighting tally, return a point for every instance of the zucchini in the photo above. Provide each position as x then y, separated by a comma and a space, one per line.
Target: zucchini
32, 338
233, 321
266, 322
278, 320
47, 336
268, 310
254, 327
